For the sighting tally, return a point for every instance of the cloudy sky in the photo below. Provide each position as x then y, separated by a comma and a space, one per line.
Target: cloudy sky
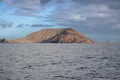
97, 19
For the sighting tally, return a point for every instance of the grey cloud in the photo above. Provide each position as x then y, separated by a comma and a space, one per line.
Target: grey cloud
113, 4
44, 1
25, 4
96, 1
116, 27
20, 26
5, 24
27, 7
97, 16
41, 25
26, 13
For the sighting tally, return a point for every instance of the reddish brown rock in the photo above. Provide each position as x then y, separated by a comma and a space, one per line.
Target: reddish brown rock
65, 35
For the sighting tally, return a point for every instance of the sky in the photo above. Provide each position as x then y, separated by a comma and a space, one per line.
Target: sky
97, 19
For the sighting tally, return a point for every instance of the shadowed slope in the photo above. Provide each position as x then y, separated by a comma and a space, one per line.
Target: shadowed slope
65, 35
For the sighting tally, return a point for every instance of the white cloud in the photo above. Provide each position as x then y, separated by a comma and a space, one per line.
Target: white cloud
78, 17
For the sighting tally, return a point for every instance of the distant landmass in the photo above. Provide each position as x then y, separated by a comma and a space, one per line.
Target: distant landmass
3, 41
62, 35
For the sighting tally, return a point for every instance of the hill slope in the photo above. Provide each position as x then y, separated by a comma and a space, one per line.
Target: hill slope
64, 35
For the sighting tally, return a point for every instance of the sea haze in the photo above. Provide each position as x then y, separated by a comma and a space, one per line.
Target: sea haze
39, 61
